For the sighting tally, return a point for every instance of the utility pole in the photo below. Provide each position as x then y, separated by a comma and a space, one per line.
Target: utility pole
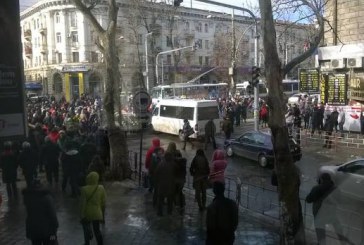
146, 59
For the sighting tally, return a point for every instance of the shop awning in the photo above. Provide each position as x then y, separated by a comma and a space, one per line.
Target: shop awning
33, 86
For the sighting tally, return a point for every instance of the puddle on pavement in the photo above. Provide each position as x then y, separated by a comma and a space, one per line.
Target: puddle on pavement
136, 221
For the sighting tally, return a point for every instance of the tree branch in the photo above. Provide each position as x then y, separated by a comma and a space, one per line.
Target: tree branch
87, 13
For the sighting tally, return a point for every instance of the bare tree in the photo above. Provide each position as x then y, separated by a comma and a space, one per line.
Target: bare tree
106, 43
292, 229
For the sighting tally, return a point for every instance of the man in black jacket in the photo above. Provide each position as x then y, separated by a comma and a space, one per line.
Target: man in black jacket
222, 218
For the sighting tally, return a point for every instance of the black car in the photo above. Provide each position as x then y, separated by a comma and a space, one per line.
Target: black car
257, 146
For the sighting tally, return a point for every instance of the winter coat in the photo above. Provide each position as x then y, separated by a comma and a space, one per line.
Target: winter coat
324, 197
87, 152
199, 169
329, 124
92, 200
148, 156
226, 126
164, 177
180, 164
71, 163
41, 220
221, 221
341, 118
50, 154
219, 164
9, 166
28, 162
210, 129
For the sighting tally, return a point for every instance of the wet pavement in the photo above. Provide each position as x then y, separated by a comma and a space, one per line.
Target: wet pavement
131, 219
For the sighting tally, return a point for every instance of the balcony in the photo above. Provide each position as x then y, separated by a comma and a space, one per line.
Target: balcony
28, 35
28, 51
43, 30
190, 34
43, 49
356, 95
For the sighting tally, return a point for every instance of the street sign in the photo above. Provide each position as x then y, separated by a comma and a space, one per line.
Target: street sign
141, 102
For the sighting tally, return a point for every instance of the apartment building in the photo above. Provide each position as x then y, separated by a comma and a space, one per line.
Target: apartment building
60, 53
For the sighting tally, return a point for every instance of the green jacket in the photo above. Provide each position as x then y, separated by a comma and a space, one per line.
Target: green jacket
92, 202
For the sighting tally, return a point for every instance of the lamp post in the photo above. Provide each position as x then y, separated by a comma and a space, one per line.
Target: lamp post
256, 43
166, 52
146, 59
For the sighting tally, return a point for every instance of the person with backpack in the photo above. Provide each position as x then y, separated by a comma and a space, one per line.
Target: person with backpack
200, 171
148, 159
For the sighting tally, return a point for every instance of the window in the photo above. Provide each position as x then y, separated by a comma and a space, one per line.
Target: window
207, 113
206, 60
187, 26
200, 60
168, 41
59, 57
58, 18
206, 28
75, 57
207, 44
199, 43
94, 56
356, 167
58, 37
74, 36
140, 39
176, 42
73, 16
199, 27
177, 112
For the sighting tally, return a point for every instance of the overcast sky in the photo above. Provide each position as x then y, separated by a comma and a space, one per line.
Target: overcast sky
186, 3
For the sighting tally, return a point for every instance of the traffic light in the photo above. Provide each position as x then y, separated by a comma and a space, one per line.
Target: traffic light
255, 76
177, 3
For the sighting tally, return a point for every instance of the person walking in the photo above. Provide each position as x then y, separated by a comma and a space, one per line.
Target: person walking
200, 171
50, 153
97, 166
210, 131
179, 175
164, 180
219, 164
226, 128
9, 167
72, 168
92, 204
148, 159
324, 198
187, 131
222, 218
41, 220
341, 121
28, 163
329, 127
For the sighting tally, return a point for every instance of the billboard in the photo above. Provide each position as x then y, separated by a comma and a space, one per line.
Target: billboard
12, 106
309, 80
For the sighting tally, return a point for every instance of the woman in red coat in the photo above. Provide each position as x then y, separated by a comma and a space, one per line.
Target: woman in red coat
219, 164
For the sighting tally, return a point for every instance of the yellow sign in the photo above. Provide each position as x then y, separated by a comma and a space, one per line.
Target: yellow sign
81, 88
67, 86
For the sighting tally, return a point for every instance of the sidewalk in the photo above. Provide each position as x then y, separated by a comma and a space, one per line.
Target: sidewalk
131, 219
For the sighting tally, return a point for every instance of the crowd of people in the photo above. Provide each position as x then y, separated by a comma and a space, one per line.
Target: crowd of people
167, 176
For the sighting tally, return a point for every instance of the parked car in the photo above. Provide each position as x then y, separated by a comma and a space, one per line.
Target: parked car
348, 178
257, 146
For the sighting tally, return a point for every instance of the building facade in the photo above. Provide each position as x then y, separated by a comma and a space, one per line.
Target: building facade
341, 57
59, 49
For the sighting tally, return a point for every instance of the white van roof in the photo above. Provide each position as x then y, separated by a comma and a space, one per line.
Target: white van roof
187, 102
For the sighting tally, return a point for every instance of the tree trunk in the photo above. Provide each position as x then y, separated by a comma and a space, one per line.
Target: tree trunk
117, 140
292, 229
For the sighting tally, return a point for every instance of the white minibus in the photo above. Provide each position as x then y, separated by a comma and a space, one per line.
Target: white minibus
168, 116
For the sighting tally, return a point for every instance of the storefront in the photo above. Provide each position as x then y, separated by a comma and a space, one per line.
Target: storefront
74, 83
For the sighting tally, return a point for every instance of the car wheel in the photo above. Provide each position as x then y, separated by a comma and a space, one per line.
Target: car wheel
229, 151
181, 136
262, 160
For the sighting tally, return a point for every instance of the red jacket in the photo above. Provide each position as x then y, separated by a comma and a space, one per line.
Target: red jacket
219, 165
148, 157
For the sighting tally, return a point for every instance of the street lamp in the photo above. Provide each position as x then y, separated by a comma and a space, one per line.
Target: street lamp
146, 58
166, 52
